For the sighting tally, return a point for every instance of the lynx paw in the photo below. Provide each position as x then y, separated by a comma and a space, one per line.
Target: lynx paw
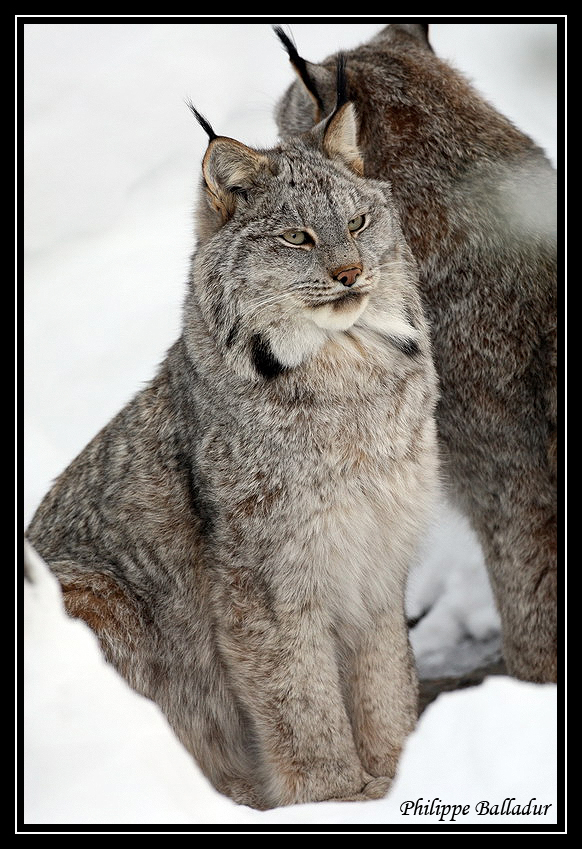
384, 765
376, 788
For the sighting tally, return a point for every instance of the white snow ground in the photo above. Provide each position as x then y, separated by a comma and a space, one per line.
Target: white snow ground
111, 159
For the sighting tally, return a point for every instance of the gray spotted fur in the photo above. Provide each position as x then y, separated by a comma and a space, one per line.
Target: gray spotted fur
239, 535
477, 202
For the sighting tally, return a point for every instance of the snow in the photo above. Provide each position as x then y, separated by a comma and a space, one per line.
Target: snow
461, 629
97, 753
112, 158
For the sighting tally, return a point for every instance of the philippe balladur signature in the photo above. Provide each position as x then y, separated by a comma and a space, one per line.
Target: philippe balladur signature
436, 807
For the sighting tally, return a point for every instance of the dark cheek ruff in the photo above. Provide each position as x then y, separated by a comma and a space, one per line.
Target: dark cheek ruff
263, 359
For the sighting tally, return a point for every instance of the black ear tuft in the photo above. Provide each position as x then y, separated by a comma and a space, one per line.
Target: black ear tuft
287, 44
204, 123
341, 84
300, 66
341, 88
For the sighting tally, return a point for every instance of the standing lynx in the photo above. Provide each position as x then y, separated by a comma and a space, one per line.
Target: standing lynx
239, 535
476, 200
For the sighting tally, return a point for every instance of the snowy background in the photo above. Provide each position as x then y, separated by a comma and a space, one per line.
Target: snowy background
112, 158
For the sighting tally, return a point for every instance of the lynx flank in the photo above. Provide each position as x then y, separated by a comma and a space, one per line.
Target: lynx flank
239, 535
477, 201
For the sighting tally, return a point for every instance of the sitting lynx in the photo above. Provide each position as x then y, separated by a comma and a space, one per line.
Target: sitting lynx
239, 535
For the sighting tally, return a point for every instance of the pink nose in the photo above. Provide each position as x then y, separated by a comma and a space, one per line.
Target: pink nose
347, 276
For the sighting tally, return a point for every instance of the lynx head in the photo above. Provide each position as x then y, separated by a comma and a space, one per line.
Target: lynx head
293, 244
312, 94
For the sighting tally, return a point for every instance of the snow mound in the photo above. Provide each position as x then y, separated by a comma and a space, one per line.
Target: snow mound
97, 753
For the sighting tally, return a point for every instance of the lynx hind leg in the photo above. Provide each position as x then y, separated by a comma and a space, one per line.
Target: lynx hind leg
523, 576
211, 729
117, 619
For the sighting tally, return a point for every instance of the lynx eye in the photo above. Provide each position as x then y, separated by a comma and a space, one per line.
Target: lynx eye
356, 223
296, 237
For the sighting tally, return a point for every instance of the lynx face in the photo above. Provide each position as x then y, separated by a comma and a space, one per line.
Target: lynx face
317, 236
295, 243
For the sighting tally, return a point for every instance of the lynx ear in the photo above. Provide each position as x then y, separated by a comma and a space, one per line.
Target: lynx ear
340, 132
340, 138
230, 170
318, 86
313, 99
419, 33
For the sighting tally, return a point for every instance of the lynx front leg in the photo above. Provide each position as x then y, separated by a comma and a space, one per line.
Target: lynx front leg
281, 662
384, 694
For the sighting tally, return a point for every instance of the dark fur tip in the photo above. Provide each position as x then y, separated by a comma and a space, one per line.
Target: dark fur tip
233, 333
409, 347
265, 362
204, 123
